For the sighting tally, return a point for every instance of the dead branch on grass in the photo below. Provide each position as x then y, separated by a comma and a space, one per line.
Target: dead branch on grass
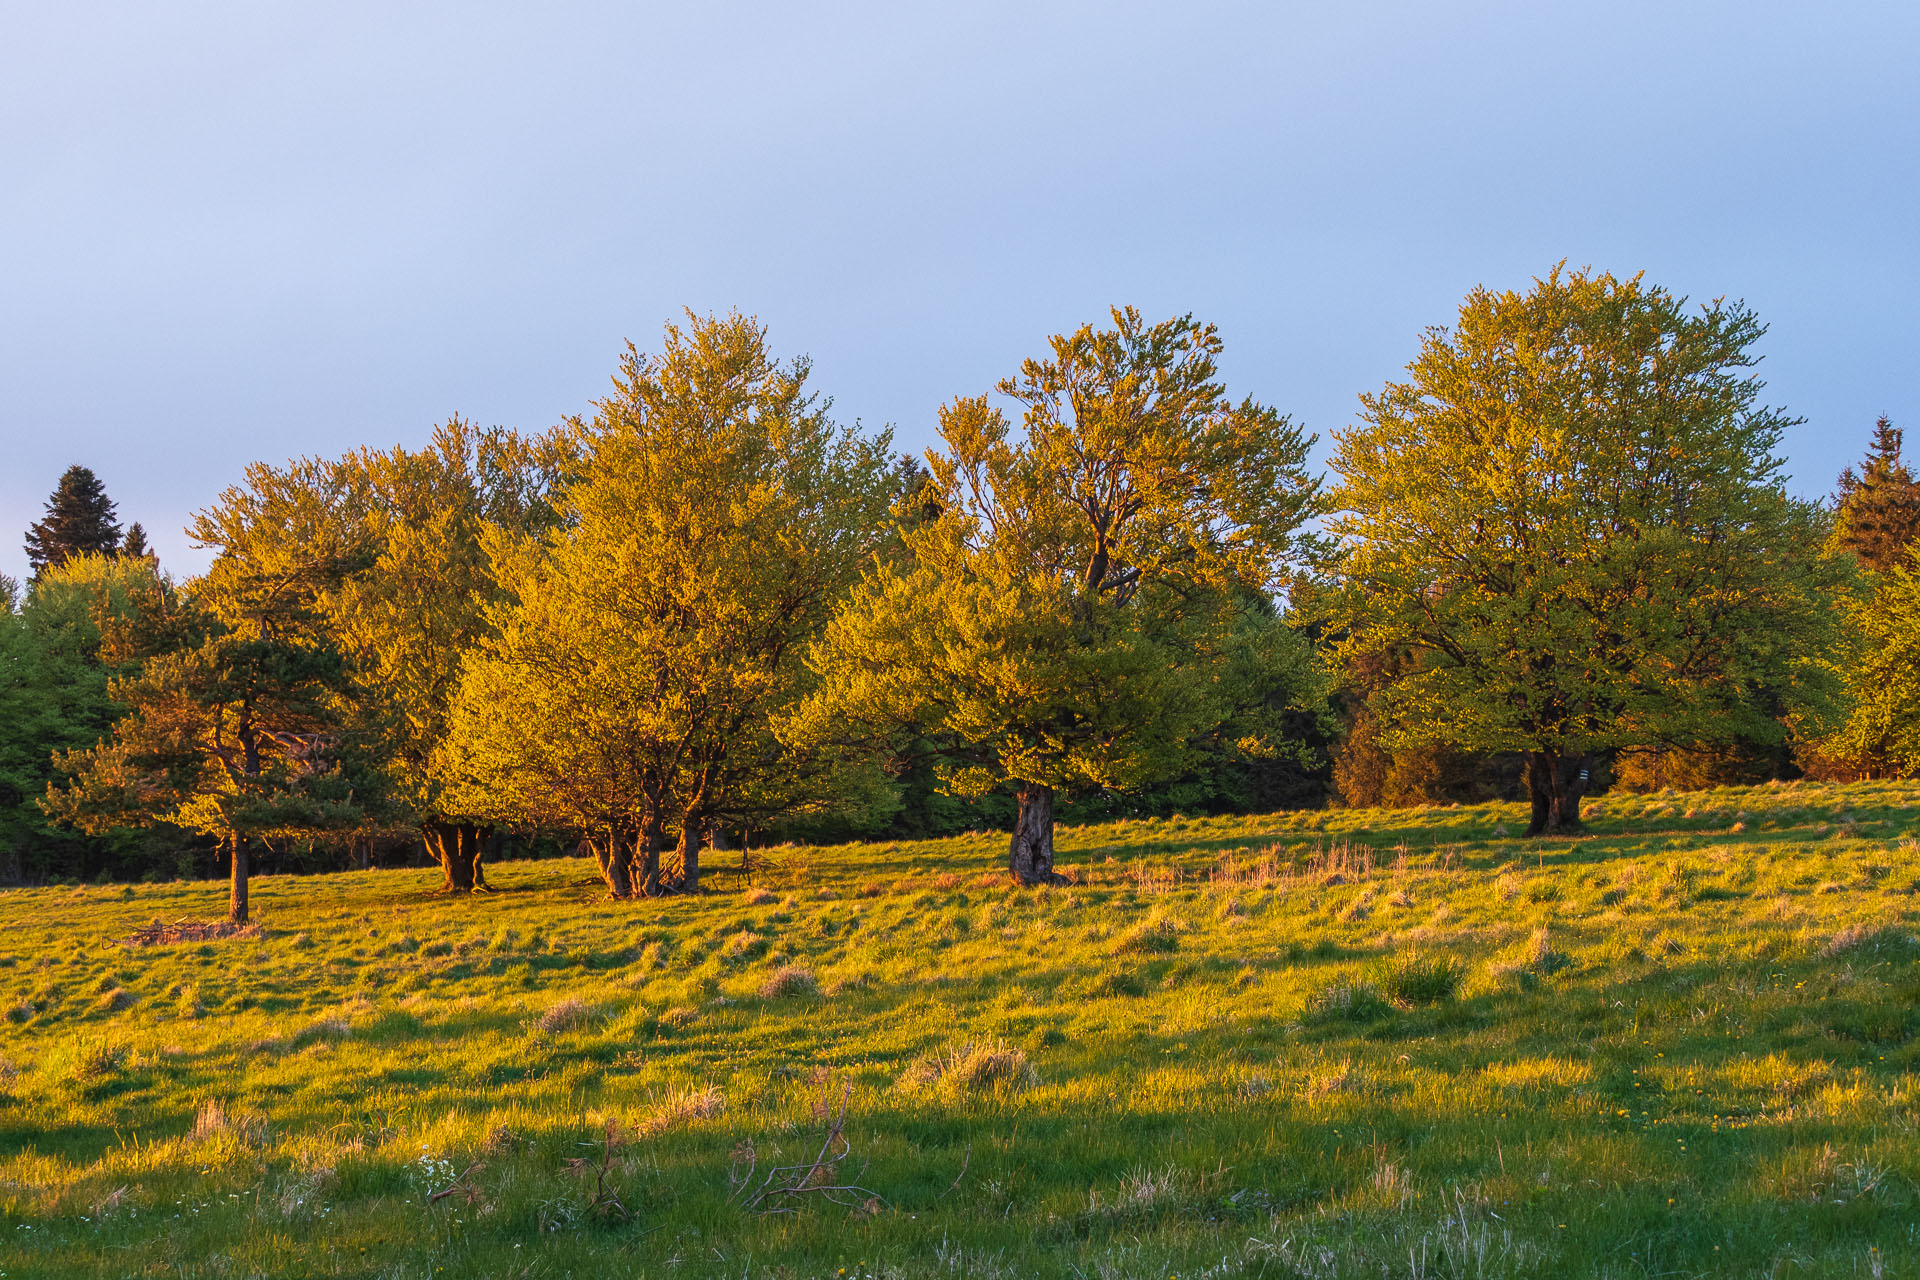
785, 1188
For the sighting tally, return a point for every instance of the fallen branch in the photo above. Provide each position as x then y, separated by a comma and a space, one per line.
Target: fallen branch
785, 1187
160, 933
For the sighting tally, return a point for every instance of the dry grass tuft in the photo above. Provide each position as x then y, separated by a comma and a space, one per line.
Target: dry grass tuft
565, 1015
213, 1121
789, 980
972, 1067
759, 895
681, 1107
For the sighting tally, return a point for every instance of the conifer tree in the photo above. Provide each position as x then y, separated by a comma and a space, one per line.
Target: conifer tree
1877, 511
134, 545
79, 521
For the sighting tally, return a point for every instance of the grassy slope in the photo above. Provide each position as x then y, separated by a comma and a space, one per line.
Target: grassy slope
1683, 1076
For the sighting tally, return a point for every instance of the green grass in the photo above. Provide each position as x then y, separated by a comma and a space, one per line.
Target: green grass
1321, 1044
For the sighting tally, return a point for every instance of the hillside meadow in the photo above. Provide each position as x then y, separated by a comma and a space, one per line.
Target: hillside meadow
1326, 1044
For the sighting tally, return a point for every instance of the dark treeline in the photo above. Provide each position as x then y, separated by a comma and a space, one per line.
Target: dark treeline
1558, 557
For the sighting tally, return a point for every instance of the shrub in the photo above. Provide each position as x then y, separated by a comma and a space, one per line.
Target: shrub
789, 980
1409, 980
1345, 1002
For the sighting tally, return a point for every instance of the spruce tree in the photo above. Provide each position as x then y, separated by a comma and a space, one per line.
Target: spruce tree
79, 520
1879, 509
134, 546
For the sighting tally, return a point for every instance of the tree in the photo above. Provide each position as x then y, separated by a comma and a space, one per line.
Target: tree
1571, 517
1087, 603
232, 729
58, 652
79, 521
381, 553
654, 635
134, 545
1876, 517
1877, 512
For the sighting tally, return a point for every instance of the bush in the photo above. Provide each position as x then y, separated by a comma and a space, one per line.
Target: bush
1409, 981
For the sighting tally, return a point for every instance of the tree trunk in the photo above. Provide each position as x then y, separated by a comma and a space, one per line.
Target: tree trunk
363, 853
646, 856
457, 847
618, 865
692, 835
1031, 857
237, 888
1555, 785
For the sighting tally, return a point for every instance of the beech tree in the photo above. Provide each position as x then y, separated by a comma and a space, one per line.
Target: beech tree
629, 689
1569, 523
381, 554
1086, 601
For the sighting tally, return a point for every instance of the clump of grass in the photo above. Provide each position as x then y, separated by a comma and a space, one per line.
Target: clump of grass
112, 1000
759, 895
214, 1120
1156, 934
1410, 980
1115, 980
187, 1004
789, 980
742, 945
1858, 937
677, 1018
99, 1060
1345, 1001
681, 1107
564, 1015
972, 1067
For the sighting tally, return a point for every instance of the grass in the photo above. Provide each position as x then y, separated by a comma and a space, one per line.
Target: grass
1347, 1043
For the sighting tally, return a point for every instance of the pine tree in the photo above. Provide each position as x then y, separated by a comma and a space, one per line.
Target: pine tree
79, 520
1879, 509
134, 545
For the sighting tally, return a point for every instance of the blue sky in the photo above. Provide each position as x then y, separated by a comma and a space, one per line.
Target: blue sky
244, 231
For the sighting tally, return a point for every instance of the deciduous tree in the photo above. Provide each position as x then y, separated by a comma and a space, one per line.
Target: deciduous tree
660, 628
1571, 515
1085, 602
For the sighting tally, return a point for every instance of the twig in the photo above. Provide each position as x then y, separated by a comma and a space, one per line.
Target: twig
965, 1160
458, 1183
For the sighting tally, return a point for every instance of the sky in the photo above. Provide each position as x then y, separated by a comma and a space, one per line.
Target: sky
239, 232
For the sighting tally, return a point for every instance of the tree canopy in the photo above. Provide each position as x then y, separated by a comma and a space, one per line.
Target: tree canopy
1570, 522
1085, 604
652, 636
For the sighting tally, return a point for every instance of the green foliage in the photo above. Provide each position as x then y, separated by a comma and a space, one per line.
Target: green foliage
1084, 606
78, 626
1570, 526
654, 635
